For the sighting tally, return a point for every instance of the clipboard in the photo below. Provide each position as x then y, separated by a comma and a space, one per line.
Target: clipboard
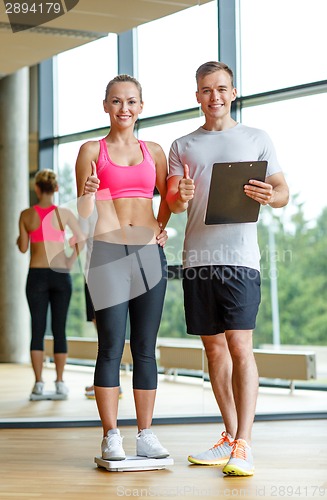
227, 202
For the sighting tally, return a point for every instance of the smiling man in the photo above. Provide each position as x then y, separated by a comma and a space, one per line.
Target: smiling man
221, 277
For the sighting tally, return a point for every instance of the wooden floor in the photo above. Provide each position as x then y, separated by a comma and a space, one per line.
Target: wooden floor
58, 463
52, 464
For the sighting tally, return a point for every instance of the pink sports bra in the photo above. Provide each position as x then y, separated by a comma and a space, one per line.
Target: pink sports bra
117, 181
46, 231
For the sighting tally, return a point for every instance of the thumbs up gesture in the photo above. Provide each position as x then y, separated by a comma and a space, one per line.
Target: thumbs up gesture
92, 182
186, 186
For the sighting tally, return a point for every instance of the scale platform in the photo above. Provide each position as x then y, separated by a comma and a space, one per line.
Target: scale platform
53, 396
133, 463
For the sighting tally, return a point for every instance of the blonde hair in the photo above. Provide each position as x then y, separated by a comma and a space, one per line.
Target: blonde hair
211, 67
124, 78
46, 180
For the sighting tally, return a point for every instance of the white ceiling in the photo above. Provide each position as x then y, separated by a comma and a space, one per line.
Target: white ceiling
87, 21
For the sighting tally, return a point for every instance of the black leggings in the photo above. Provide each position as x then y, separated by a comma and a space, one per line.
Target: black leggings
43, 287
127, 279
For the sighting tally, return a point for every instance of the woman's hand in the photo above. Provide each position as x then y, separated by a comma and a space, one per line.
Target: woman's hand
162, 236
92, 182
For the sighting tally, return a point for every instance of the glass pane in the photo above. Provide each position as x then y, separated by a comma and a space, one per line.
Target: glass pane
299, 231
77, 325
173, 322
186, 374
175, 229
179, 360
169, 52
66, 155
300, 149
83, 74
281, 43
165, 135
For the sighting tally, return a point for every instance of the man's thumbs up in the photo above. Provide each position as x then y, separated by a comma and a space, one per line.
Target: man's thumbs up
186, 186
186, 171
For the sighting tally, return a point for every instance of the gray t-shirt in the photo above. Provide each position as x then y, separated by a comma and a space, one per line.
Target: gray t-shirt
225, 244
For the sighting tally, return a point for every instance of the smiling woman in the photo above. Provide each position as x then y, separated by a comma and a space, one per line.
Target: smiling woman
127, 272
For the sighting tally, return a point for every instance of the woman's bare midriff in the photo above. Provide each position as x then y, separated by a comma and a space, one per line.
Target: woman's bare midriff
126, 221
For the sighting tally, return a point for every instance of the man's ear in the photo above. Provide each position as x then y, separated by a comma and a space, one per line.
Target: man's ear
197, 97
234, 94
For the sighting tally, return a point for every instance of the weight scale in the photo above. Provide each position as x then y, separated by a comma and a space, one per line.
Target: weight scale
133, 463
50, 396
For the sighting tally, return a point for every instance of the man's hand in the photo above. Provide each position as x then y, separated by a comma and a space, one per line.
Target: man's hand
259, 191
186, 186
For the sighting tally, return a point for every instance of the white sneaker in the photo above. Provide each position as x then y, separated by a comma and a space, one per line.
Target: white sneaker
148, 445
38, 388
112, 446
61, 388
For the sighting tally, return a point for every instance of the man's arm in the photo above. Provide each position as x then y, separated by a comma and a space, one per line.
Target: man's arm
274, 191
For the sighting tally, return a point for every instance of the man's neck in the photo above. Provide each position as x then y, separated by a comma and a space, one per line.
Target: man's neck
219, 125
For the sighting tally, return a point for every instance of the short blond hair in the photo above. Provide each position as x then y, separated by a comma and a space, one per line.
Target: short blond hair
211, 67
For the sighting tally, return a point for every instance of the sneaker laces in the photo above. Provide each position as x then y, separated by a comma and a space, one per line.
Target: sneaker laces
222, 440
238, 450
115, 439
150, 439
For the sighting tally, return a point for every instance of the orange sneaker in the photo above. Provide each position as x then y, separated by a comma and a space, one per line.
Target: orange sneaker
241, 460
217, 455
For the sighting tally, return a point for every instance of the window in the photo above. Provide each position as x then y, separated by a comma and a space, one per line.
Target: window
83, 74
281, 43
166, 134
297, 128
275, 52
169, 51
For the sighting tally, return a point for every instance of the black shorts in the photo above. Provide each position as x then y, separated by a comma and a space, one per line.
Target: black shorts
220, 298
90, 315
